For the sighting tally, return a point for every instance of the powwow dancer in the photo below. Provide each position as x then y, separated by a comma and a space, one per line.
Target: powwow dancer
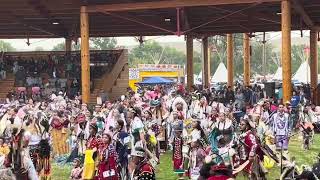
177, 156
121, 141
91, 153
142, 170
281, 129
107, 167
250, 152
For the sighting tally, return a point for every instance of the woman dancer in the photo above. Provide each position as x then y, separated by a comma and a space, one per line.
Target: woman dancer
107, 167
90, 153
222, 130
121, 141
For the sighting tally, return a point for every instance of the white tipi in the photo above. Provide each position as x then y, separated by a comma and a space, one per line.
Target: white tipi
221, 74
278, 74
303, 73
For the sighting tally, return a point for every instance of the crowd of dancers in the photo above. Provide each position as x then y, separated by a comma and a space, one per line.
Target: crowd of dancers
124, 139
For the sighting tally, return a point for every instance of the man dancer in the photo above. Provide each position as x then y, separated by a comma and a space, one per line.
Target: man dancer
141, 167
281, 128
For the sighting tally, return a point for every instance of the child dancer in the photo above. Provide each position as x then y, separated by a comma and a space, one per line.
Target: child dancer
177, 158
76, 172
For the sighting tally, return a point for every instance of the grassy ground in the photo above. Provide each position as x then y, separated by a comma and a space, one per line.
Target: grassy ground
165, 170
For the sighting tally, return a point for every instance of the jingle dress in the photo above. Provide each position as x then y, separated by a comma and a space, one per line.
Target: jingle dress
107, 167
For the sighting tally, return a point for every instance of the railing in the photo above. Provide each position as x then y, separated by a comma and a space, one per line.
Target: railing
110, 78
25, 54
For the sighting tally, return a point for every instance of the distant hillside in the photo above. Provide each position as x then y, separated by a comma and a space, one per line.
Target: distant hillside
294, 41
181, 46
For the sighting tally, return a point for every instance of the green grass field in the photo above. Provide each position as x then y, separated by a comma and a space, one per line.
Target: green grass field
165, 170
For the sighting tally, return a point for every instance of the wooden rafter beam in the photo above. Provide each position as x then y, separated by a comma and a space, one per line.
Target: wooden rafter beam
222, 17
255, 15
268, 18
185, 19
299, 8
41, 30
168, 4
10, 36
45, 30
138, 21
44, 12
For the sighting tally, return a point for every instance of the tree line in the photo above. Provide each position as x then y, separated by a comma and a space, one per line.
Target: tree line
152, 52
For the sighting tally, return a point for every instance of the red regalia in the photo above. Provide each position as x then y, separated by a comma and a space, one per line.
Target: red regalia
92, 142
177, 153
145, 171
250, 147
107, 167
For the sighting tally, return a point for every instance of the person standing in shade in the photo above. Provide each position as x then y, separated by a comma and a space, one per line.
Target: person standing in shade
281, 128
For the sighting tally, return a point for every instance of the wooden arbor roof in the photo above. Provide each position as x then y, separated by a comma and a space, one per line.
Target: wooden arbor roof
61, 18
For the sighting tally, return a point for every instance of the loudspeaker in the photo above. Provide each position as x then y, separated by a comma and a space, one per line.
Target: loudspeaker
270, 88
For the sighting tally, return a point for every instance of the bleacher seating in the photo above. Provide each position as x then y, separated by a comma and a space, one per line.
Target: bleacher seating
55, 71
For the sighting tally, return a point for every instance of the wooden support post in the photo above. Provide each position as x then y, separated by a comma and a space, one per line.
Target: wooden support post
209, 64
230, 59
314, 64
189, 62
246, 59
85, 55
68, 43
205, 70
286, 49
264, 63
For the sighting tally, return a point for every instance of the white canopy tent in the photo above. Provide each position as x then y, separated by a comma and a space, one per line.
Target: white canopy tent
303, 73
196, 80
199, 76
278, 74
221, 74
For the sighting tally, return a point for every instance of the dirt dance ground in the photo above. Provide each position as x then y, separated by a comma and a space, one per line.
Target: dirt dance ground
165, 172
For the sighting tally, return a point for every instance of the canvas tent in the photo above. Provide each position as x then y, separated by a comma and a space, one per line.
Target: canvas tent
278, 74
196, 80
199, 76
155, 80
303, 73
221, 74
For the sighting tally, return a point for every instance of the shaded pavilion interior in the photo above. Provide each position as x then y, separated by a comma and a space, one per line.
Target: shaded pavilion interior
73, 19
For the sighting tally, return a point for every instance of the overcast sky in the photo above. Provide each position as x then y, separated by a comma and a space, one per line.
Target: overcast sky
47, 44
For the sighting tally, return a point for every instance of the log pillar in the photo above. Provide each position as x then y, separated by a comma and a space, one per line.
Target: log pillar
286, 49
68, 43
246, 59
314, 64
230, 59
205, 67
209, 64
189, 45
85, 55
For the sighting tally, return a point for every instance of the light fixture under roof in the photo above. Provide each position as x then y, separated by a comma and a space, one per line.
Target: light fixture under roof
55, 23
167, 19
278, 13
